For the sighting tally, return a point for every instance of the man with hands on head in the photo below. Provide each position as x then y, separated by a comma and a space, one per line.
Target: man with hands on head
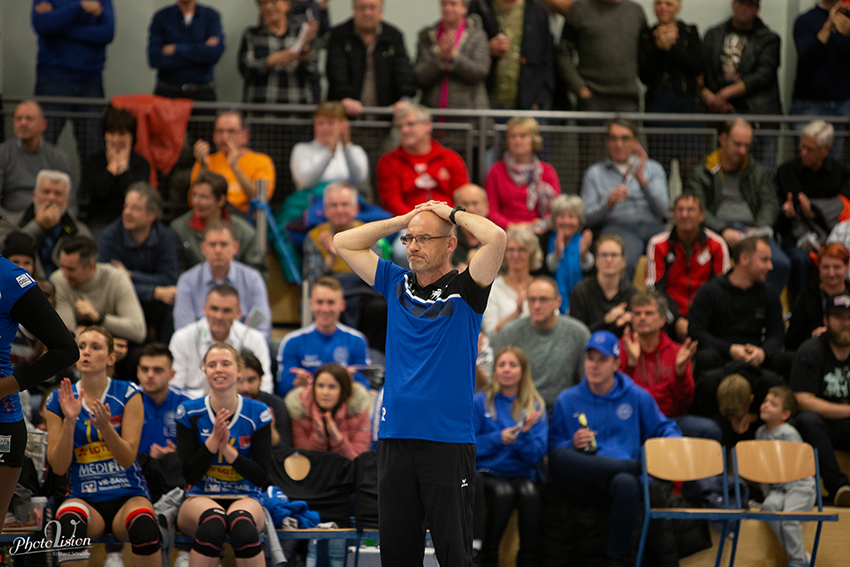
434, 318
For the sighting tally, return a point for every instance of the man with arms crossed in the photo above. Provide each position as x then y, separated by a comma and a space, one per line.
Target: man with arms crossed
426, 446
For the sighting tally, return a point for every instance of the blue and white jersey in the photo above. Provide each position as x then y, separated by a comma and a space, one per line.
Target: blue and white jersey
309, 348
94, 474
160, 424
14, 282
221, 479
432, 346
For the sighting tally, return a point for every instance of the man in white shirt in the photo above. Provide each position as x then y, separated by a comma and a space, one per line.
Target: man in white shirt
220, 323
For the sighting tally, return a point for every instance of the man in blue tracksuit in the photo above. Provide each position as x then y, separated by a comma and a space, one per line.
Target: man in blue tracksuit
620, 417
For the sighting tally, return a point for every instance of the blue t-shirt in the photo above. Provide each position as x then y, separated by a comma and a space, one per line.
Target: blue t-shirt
14, 282
160, 425
309, 348
432, 346
221, 479
95, 475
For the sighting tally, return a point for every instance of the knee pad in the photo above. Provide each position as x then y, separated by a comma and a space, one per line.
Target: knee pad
244, 537
209, 537
143, 530
73, 522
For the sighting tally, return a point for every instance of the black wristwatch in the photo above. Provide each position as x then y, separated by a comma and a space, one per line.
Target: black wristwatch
452, 215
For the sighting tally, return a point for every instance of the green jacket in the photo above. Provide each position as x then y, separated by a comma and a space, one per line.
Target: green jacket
757, 189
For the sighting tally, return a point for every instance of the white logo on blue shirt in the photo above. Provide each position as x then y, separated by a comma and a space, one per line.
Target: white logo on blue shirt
624, 411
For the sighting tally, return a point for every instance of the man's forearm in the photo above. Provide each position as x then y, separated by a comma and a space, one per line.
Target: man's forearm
248, 185
486, 231
365, 236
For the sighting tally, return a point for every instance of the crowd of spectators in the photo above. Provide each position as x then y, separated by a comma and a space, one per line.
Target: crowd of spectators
610, 296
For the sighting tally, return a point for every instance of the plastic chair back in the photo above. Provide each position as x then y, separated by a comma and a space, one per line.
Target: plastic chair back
684, 458
773, 462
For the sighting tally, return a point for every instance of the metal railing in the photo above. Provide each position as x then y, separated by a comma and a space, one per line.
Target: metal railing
572, 140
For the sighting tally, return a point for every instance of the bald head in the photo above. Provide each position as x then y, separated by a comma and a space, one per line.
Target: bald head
427, 222
472, 198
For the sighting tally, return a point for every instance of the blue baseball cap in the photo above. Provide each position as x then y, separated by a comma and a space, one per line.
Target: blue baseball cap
605, 342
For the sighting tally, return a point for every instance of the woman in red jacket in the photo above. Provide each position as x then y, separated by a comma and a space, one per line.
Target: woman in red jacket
331, 413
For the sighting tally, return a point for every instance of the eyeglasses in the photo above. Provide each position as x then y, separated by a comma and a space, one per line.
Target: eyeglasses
422, 239
516, 251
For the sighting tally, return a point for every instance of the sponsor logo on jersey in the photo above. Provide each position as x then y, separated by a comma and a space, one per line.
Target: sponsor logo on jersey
244, 441
224, 473
24, 280
93, 452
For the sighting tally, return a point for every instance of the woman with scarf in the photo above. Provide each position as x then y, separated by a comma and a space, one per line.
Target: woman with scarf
521, 188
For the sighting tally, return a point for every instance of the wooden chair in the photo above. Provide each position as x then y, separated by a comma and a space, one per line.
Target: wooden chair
684, 459
773, 462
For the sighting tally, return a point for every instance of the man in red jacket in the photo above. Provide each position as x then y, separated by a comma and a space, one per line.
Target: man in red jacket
662, 366
420, 169
680, 260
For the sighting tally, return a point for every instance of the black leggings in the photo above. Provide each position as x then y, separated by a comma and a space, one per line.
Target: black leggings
502, 495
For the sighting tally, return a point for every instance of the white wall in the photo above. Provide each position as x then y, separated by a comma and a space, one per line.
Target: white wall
127, 70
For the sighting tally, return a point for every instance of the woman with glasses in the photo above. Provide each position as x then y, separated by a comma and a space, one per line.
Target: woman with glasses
602, 302
521, 188
507, 296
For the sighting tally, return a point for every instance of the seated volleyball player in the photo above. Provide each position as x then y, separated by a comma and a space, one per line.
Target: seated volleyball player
224, 443
93, 431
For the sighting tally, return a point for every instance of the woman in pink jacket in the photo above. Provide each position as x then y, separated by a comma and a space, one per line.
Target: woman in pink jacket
331, 413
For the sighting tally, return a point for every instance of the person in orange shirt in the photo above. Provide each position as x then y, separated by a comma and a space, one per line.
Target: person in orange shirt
240, 166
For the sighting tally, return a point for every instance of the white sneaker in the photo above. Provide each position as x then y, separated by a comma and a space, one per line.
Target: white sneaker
114, 560
182, 559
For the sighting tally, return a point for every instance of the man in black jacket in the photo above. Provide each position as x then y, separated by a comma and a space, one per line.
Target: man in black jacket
741, 63
367, 62
737, 317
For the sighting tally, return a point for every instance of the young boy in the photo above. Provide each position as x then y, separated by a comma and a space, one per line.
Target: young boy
797, 496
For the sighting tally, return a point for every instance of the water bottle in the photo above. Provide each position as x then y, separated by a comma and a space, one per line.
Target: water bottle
336, 552
312, 553
590, 449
